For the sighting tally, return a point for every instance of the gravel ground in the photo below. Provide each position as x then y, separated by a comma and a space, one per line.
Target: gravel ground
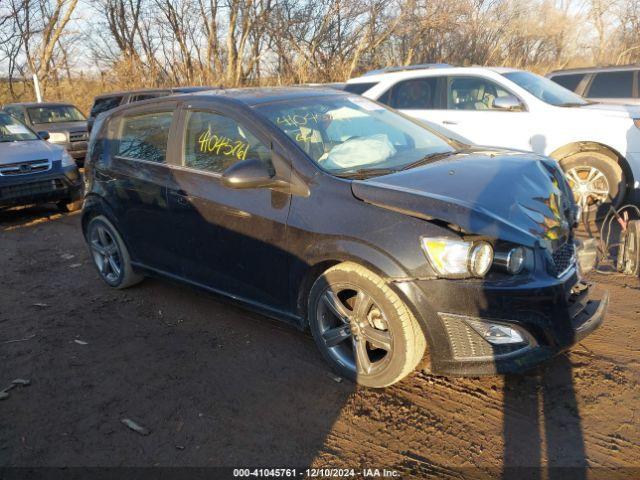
216, 385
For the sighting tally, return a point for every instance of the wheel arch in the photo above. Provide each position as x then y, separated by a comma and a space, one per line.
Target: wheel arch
570, 149
368, 257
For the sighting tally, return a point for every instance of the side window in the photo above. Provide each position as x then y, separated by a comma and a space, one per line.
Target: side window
214, 142
16, 112
570, 82
473, 93
415, 94
612, 85
145, 136
104, 104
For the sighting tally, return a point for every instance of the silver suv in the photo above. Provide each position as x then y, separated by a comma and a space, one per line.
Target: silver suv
602, 84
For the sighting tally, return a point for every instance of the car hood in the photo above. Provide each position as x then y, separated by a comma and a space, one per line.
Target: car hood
613, 110
520, 198
61, 127
24, 151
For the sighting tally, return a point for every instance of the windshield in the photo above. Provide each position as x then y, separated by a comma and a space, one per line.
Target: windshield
347, 134
55, 114
11, 130
545, 89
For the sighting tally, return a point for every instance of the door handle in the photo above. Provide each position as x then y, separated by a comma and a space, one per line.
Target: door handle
449, 122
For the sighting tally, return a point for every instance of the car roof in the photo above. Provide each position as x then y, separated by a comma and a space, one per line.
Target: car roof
39, 104
121, 93
248, 96
612, 68
436, 70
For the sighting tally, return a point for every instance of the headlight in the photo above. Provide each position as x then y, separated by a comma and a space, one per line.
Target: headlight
57, 137
67, 160
458, 258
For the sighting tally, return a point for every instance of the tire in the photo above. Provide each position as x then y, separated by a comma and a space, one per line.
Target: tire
607, 176
349, 308
110, 254
66, 206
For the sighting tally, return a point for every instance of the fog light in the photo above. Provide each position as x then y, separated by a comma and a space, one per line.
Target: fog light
496, 333
480, 258
515, 260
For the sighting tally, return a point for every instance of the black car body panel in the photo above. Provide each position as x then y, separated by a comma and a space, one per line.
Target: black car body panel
265, 246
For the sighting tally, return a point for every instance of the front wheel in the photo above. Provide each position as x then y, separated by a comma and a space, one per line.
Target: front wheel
362, 328
595, 180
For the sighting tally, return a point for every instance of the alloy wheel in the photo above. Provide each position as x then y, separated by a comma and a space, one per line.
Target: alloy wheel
354, 329
106, 254
589, 185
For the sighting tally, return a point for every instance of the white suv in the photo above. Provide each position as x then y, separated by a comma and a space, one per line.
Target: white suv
597, 145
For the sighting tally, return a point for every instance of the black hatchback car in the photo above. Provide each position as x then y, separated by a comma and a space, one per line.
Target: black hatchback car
335, 213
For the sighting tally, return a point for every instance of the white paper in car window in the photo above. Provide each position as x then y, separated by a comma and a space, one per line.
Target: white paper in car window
366, 104
17, 129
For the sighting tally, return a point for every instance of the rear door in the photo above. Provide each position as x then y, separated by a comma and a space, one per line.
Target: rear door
230, 240
135, 175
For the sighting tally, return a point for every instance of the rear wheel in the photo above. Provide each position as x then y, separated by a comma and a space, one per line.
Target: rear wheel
595, 180
110, 255
362, 328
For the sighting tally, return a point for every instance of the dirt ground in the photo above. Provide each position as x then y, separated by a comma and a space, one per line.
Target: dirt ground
217, 385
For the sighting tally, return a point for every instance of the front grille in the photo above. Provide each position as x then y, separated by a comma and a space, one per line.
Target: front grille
25, 168
78, 136
30, 189
563, 259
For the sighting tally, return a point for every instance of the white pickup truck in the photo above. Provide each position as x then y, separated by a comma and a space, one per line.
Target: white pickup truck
597, 145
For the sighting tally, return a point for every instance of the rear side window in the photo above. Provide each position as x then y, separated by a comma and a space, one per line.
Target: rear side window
415, 94
612, 85
214, 142
145, 136
105, 104
570, 82
359, 88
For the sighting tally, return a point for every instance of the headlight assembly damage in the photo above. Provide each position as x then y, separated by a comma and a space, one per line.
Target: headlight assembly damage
459, 258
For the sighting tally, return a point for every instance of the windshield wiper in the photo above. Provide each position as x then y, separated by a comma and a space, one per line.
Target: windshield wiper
575, 104
367, 172
432, 157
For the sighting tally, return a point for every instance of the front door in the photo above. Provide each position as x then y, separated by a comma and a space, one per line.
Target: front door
227, 239
468, 110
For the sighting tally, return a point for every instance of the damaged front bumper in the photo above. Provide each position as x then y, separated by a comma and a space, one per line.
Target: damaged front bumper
549, 317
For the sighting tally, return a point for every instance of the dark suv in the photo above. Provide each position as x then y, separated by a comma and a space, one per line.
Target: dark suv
602, 84
109, 101
64, 123
332, 212
34, 171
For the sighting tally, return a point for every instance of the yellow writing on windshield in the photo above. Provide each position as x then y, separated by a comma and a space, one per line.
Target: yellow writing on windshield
220, 145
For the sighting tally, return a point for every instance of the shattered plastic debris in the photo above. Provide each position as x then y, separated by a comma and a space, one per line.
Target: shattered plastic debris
335, 378
67, 256
135, 427
41, 305
75, 265
80, 342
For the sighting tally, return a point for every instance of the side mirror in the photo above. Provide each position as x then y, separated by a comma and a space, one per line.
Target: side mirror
252, 173
509, 103
44, 135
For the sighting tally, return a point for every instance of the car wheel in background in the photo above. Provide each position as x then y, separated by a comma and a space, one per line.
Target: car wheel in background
595, 180
110, 255
65, 206
362, 328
